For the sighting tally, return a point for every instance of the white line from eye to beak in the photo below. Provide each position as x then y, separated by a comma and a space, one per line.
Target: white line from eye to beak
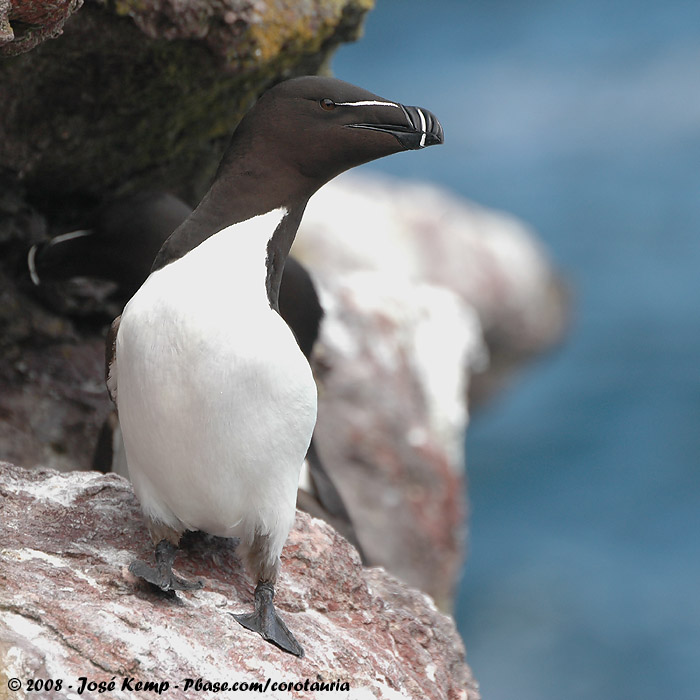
367, 103
69, 236
31, 256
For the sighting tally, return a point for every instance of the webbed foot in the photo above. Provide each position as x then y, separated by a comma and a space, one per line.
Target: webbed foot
162, 574
267, 623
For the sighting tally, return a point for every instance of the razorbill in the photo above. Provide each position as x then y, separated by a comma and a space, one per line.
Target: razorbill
118, 243
121, 240
216, 401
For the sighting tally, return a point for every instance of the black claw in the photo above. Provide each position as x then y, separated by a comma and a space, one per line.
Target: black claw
267, 623
162, 574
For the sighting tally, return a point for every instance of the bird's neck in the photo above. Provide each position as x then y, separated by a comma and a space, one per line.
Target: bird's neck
233, 199
237, 195
278, 250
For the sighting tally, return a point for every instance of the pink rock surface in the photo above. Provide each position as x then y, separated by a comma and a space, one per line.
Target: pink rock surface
423, 291
70, 608
38, 19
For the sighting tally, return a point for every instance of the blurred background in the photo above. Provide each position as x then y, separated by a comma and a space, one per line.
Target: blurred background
583, 119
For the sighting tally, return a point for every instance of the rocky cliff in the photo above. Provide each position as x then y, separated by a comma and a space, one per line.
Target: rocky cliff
70, 610
411, 304
145, 93
434, 304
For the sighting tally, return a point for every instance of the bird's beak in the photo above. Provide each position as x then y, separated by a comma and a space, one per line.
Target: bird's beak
417, 129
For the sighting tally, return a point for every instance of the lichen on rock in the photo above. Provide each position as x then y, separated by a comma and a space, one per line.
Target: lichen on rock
145, 93
25, 24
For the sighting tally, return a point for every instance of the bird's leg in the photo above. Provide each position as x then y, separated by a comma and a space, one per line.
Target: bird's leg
162, 574
265, 620
267, 623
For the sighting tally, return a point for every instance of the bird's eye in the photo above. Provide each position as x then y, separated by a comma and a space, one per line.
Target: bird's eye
327, 104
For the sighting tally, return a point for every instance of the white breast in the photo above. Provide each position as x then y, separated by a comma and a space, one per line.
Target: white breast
216, 401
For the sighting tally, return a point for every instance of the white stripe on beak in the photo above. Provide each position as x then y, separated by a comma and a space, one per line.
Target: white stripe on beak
422, 127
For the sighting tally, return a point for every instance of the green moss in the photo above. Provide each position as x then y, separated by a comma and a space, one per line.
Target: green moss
124, 8
101, 111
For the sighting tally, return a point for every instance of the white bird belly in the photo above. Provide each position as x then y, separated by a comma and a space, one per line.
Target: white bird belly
216, 403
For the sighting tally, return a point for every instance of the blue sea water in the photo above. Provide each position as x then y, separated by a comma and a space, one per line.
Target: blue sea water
582, 118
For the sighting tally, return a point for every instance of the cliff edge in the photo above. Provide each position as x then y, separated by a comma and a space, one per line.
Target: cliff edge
70, 610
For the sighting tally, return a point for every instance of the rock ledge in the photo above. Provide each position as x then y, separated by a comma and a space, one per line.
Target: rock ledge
69, 607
